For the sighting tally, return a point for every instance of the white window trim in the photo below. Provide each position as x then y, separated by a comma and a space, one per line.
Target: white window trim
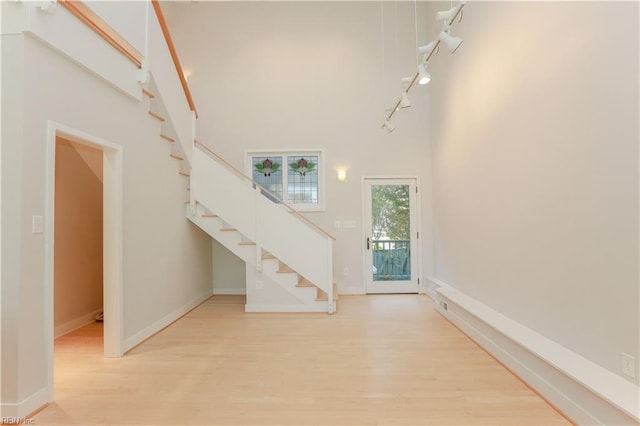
248, 167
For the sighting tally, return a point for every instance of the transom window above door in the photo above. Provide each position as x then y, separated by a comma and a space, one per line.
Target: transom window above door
295, 177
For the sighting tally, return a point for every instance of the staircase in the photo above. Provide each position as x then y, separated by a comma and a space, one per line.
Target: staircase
284, 248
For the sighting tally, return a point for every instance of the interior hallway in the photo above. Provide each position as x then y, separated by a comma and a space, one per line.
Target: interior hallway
387, 359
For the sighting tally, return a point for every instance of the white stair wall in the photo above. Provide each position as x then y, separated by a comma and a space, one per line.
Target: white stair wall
277, 291
275, 229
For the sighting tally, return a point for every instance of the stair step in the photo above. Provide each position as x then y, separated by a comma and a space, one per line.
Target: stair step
209, 215
268, 256
168, 138
185, 174
284, 269
177, 157
148, 94
246, 243
321, 296
157, 116
228, 229
304, 283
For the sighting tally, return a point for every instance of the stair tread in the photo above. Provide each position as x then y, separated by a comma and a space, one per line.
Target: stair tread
148, 94
184, 174
177, 157
228, 229
268, 256
209, 215
167, 137
246, 243
157, 116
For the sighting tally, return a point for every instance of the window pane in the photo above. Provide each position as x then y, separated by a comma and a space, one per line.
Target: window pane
267, 171
302, 179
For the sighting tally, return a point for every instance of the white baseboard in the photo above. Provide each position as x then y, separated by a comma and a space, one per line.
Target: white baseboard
286, 308
18, 411
352, 291
75, 324
582, 390
149, 331
230, 291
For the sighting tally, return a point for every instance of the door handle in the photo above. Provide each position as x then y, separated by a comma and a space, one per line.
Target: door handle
368, 243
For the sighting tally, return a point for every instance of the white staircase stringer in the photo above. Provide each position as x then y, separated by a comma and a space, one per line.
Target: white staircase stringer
232, 241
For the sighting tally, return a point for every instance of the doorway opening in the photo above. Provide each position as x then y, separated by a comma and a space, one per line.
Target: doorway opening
78, 238
83, 240
391, 235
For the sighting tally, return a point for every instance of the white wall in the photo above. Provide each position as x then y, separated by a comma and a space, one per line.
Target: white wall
11, 181
306, 75
228, 271
167, 260
535, 136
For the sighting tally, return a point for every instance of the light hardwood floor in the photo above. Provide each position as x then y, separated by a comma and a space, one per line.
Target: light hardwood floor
387, 359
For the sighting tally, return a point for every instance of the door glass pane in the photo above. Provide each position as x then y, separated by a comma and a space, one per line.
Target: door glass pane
391, 243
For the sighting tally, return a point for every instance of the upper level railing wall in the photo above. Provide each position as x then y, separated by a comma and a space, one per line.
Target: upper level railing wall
60, 28
121, 42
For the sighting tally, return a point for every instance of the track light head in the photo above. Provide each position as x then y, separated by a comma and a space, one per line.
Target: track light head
423, 76
446, 15
426, 48
404, 100
388, 126
450, 42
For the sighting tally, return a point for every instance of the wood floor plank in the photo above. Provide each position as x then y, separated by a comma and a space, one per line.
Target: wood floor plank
382, 359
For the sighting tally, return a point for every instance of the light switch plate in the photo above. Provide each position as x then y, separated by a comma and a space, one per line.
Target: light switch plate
37, 224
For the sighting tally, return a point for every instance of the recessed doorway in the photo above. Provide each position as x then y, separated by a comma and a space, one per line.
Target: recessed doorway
83, 238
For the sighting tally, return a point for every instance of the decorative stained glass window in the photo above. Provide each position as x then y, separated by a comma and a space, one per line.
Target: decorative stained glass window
296, 174
302, 180
267, 171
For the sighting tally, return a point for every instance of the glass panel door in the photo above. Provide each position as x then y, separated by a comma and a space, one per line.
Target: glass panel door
391, 237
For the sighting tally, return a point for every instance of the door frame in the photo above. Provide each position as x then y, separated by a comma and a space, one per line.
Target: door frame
418, 226
112, 182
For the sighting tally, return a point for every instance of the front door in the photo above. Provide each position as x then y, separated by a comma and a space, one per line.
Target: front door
391, 248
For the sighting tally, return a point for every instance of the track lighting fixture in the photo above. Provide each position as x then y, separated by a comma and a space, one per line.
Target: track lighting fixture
450, 42
427, 51
423, 76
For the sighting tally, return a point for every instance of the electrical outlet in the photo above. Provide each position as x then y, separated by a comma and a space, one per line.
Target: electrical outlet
259, 284
628, 365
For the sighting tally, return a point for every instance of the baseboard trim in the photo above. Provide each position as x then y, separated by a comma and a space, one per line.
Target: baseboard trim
582, 390
29, 405
75, 324
162, 323
285, 308
229, 291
